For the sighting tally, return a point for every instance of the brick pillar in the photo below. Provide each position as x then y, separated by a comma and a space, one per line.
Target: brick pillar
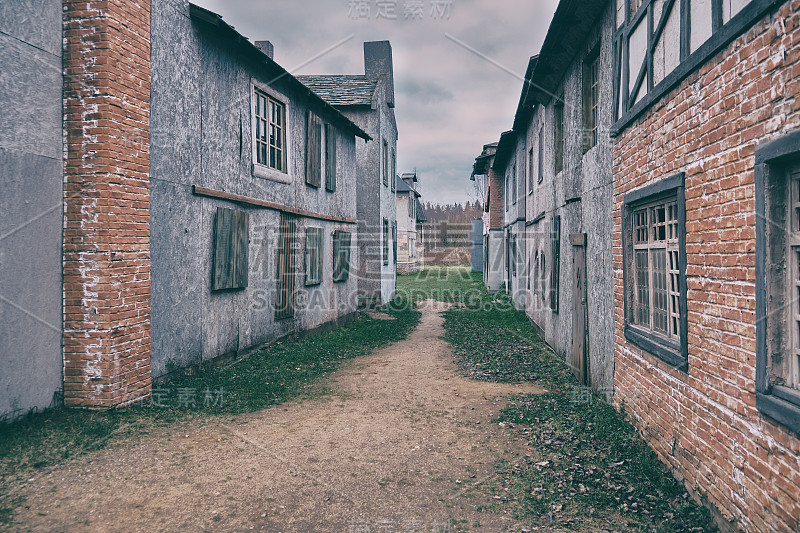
107, 202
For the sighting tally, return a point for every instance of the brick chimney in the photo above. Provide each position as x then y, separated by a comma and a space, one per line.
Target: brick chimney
377, 63
267, 48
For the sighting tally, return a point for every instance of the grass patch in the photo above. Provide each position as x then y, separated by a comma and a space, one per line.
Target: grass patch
587, 468
445, 284
273, 375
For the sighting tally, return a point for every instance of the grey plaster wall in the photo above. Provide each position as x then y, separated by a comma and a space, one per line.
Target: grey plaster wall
477, 246
31, 205
375, 201
514, 224
493, 275
582, 195
201, 135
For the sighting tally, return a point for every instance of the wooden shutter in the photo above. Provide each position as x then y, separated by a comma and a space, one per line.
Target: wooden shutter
284, 299
313, 266
330, 157
231, 249
313, 150
555, 254
385, 242
394, 240
341, 256
393, 177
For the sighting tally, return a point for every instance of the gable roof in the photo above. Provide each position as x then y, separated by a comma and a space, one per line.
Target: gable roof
342, 89
274, 69
402, 186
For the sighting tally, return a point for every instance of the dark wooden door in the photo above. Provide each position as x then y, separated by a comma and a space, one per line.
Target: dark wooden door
580, 336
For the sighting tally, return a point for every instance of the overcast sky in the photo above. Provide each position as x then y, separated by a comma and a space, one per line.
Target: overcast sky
449, 100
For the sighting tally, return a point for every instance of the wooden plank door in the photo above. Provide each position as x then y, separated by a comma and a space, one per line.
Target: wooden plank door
580, 334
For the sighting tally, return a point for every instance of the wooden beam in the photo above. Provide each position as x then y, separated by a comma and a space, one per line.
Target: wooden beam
222, 195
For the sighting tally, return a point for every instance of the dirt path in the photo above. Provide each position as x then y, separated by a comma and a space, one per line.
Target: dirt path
393, 450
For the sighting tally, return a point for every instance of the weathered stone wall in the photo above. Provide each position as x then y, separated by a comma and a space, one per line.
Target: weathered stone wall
581, 194
704, 423
202, 136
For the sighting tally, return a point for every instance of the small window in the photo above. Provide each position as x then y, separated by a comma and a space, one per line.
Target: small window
330, 157
313, 150
591, 99
313, 256
393, 177
394, 241
543, 276
341, 256
777, 188
385, 163
514, 182
558, 128
385, 241
540, 157
231, 244
270, 131
285, 268
555, 253
654, 269
535, 276
530, 171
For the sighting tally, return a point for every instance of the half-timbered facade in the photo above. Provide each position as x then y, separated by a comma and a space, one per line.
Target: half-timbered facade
707, 129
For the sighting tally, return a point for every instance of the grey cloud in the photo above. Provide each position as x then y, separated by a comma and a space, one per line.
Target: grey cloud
449, 101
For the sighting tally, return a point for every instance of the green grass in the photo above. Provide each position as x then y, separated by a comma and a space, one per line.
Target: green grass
446, 284
587, 466
284, 371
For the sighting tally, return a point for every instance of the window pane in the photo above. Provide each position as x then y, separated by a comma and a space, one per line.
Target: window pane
660, 304
642, 288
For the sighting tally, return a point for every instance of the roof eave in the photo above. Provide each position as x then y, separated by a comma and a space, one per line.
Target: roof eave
214, 19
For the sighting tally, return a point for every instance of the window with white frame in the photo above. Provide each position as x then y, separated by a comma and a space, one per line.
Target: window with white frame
655, 249
270, 131
654, 278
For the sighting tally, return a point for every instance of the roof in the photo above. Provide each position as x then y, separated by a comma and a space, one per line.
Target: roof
526, 104
342, 90
479, 168
505, 147
270, 66
571, 25
420, 212
402, 186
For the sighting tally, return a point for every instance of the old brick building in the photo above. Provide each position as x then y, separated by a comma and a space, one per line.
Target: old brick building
707, 120
493, 241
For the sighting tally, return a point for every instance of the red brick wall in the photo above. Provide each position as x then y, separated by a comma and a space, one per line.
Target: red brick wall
496, 209
704, 424
107, 202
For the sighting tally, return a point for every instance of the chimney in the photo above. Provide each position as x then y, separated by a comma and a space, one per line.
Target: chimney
377, 63
267, 48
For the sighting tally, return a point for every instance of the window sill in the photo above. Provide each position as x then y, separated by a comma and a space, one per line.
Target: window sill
657, 347
264, 172
787, 413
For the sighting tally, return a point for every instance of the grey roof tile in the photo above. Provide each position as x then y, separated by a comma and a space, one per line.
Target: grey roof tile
342, 89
